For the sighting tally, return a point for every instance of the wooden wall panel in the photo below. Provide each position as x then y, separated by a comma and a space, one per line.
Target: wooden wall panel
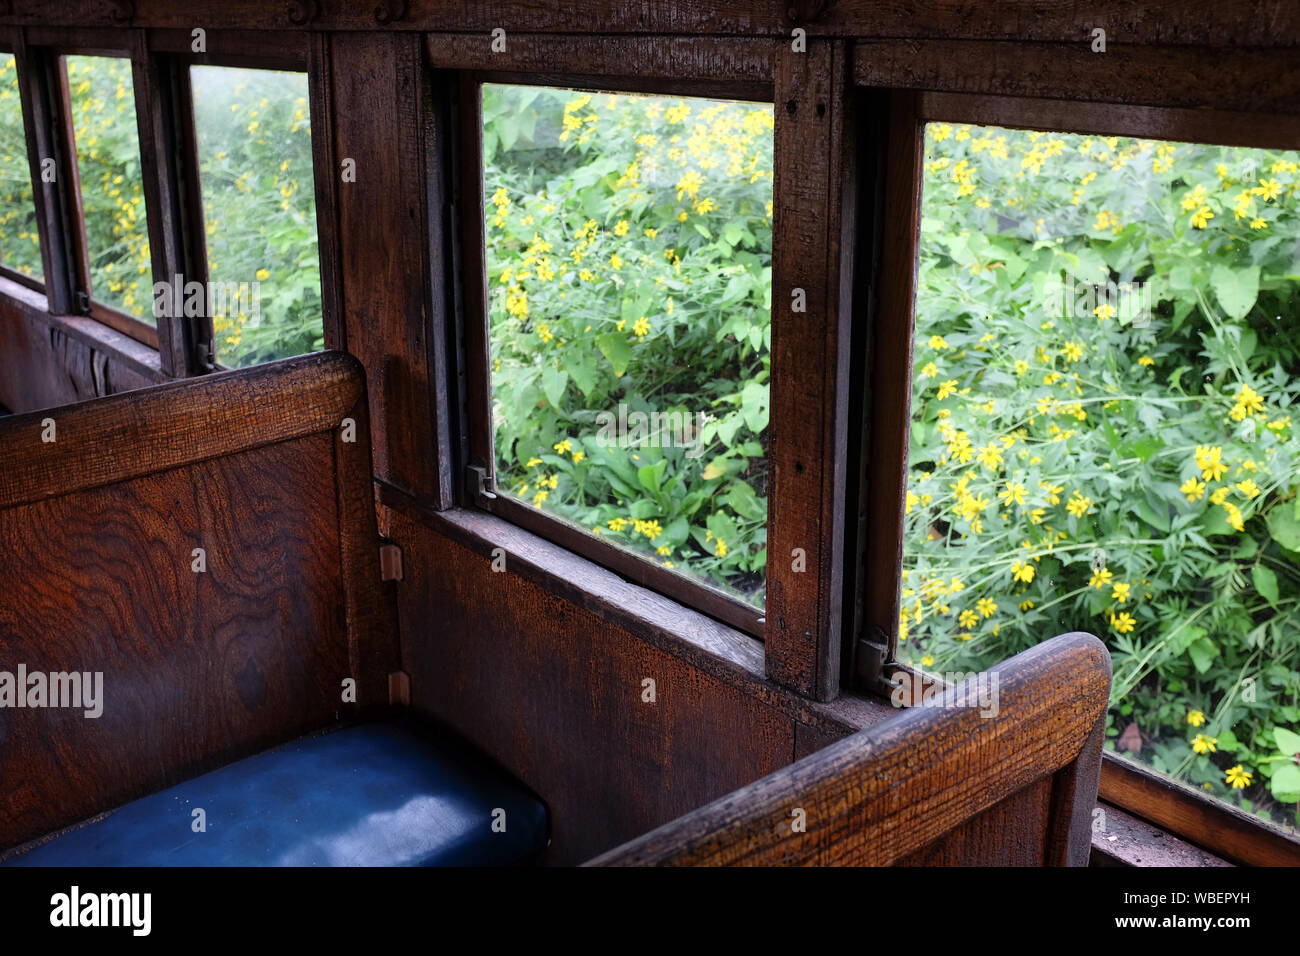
376, 98
554, 693
44, 363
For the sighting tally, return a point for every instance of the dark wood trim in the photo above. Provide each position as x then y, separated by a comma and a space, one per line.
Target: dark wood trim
1259, 79
814, 209
732, 67
255, 49
1109, 119
82, 40
1196, 817
160, 429
326, 174
42, 105
892, 793
129, 325
889, 382
708, 600
22, 278
164, 118
1121, 839
475, 332
1265, 23
673, 627
69, 176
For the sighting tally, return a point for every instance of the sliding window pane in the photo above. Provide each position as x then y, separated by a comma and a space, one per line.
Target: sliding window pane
1104, 435
259, 206
108, 163
629, 246
20, 247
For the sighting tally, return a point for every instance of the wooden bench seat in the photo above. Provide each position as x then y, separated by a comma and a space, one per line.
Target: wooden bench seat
206, 551
377, 794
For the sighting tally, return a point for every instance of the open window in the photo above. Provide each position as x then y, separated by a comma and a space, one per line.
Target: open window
20, 244
628, 252
1102, 435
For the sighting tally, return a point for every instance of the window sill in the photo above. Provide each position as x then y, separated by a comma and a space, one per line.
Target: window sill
709, 645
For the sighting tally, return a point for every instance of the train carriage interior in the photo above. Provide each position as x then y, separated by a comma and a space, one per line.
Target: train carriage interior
545, 435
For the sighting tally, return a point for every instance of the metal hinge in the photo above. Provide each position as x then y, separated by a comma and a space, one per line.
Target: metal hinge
390, 562
872, 660
82, 300
480, 482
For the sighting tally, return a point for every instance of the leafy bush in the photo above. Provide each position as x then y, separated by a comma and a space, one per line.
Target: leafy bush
1078, 465
629, 261
20, 246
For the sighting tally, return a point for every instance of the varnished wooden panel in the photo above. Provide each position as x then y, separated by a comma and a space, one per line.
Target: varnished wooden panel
887, 793
554, 693
1010, 833
199, 667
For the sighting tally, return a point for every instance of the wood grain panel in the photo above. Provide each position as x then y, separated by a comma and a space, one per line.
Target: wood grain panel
199, 667
887, 793
553, 691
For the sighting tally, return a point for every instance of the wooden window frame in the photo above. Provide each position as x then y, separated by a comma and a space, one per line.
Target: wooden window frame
631, 65
8, 272
1209, 823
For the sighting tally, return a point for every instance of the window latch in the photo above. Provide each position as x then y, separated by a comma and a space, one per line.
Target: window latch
481, 483
872, 661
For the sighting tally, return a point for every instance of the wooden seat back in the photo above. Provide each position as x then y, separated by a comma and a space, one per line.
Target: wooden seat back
935, 785
209, 547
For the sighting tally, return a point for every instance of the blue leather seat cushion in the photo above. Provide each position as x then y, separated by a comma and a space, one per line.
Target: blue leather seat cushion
379, 794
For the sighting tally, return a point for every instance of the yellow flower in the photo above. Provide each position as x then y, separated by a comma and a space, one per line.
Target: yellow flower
617, 524
1146, 361
1234, 516
1100, 579
544, 331
1021, 366
1120, 593
1238, 777
990, 456
533, 462
1014, 492
1201, 218
1078, 505
938, 342
1195, 718
722, 548
641, 326
1257, 223
967, 618
615, 261
947, 388
663, 549
1022, 571
1210, 460
578, 456
1193, 489
930, 370
986, 606
1204, 745
539, 498
927, 661
262, 275
563, 446
1073, 351
621, 228
1248, 402
1248, 488
1123, 623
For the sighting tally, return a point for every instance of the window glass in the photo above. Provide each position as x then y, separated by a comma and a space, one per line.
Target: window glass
1104, 439
20, 247
259, 206
629, 245
108, 163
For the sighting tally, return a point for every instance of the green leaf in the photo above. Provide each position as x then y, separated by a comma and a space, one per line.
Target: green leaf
1287, 742
615, 348
1285, 783
1265, 583
742, 500
554, 382
584, 375
1203, 651
1236, 289
651, 476
1285, 528
753, 405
